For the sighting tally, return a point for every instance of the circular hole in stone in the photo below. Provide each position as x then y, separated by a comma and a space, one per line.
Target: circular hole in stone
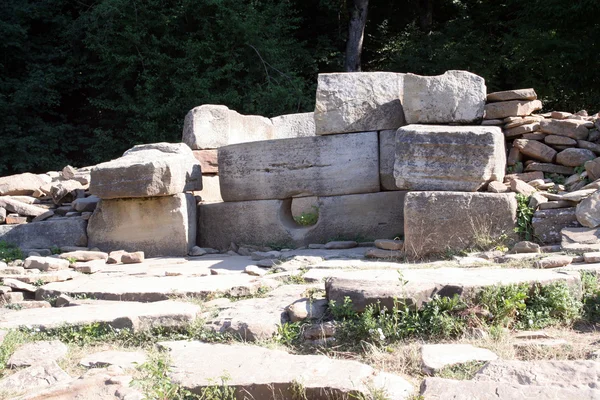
305, 210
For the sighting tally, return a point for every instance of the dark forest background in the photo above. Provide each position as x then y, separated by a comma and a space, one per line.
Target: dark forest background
83, 80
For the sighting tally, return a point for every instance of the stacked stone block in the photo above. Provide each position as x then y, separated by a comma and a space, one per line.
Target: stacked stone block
146, 201
209, 127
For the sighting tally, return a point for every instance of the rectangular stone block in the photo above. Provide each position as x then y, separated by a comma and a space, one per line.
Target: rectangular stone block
270, 222
59, 232
211, 190
580, 239
513, 108
293, 125
148, 170
547, 224
387, 157
453, 158
359, 102
209, 161
454, 97
309, 166
435, 222
158, 226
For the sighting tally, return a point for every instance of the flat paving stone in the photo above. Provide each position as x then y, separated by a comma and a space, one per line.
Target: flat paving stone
37, 352
32, 378
258, 318
579, 374
448, 389
136, 316
258, 371
435, 357
415, 286
123, 359
152, 288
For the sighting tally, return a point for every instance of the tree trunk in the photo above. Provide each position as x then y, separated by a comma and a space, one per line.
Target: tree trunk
356, 33
426, 15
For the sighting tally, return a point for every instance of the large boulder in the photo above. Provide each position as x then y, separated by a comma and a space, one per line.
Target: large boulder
513, 108
148, 170
212, 126
460, 158
60, 232
158, 226
572, 128
309, 166
21, 184
454, 97
358, 102
435, 222
369, 216
588, 211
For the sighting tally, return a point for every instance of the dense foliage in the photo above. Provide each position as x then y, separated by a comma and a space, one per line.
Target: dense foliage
82, 81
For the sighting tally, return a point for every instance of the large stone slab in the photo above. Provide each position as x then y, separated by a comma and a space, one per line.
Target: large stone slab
147, 170
262, 222
513, 108
437, 221
454, 97
36, 377
37, 352
259, 318
547, 224
419, 285
588, 211
152, 289
158, 226
259, 372
518, 94
310, 166
579, 374
212, 126
387, 158
211, 189
435, 357
572, 128
60, 232
293, 125
461, 158
358, 102
580, 239
132, 315
21, 184
438, 388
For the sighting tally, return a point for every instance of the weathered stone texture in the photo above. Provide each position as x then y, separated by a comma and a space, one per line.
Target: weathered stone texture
293, 125
21, 184
358, 102
437, 221
507, 95
387, 157
461, 158
159, 169
454, 97
212, 126
547, 224
209, 161
511, 108
159, 226
310, 166
59, 232
371, 216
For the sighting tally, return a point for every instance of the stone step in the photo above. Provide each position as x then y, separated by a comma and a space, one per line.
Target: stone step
416, 286
136, 316
259, 372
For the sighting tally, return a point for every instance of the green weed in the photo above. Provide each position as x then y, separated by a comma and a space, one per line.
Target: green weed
308, 218
12, 340
548, 305
9, 252
524, 216
464, 371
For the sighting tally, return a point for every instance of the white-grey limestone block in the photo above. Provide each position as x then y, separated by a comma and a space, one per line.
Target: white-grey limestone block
358, 102
301, 167
59, 232
367, 216
293, 125
211, 126
158, 226
387, 157
435, 222
454, 158
454, 97
148, 170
